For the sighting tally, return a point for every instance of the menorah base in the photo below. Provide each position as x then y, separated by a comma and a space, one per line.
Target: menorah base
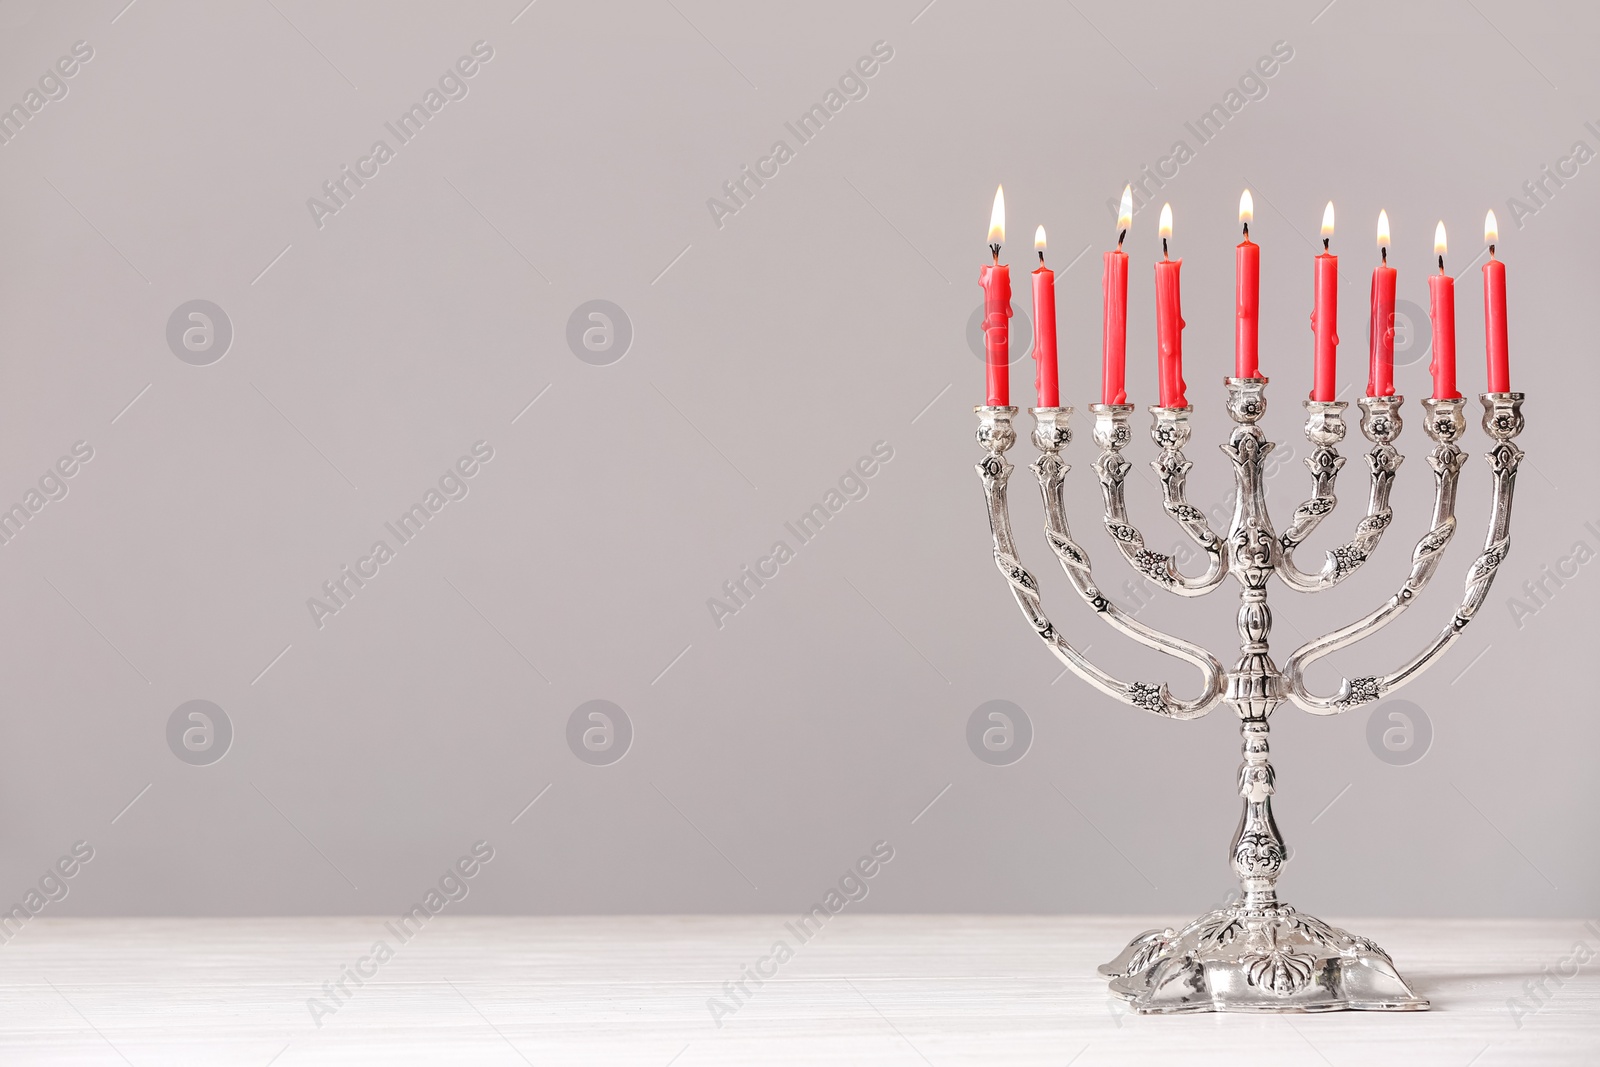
1257, 958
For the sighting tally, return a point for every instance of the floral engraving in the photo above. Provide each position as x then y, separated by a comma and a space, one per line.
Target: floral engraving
1145, 696
1346, 558
1362, 691
1185, 512
1282, 970
1124, 533
1153, 564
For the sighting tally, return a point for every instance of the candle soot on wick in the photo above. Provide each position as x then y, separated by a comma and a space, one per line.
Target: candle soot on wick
1163, 248
1247, 229
1120, 237
994, 250
1384, 252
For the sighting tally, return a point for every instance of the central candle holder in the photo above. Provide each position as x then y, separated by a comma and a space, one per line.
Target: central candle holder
1256, 954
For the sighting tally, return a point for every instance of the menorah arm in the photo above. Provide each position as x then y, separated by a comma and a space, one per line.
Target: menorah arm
996, 436
1050, 434
1502, 420
1171, 432
1380, 423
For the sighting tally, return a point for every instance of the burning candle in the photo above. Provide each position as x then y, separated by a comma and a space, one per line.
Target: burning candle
1494, 313
1380, 333
1325, 314
1114, 370
1044, 329
1247, 285
1442, 309
1169, 322
996, 281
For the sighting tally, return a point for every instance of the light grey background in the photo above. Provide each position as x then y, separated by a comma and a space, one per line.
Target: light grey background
767, 356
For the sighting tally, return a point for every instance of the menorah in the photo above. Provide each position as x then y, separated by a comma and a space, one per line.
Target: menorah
1255, 953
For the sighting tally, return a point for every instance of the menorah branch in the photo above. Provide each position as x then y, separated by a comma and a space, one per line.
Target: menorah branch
996, 435
1502, 421
1170, 430
1380, 424
1050, 435
1445, 424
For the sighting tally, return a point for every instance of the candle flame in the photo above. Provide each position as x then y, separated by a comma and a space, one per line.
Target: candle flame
1383, 229
1438, 239
1038, 239
1491, 229
1327, 221
1166, 221
1247, 208
1125, 212
997, 217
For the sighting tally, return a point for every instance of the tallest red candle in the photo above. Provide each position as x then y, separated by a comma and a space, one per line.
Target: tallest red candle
1046, 371
1380, 331
1114, 290
1442, 309
996, 281
1169, 323
1495, 340
1325, 315
1247, 302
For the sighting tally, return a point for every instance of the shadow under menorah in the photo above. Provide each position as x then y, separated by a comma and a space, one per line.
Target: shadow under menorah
1257, 953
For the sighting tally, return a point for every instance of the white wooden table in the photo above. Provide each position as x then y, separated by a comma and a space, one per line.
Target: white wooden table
911, 990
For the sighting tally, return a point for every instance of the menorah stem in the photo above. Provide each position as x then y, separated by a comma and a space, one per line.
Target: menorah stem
1258, 848
1256, 685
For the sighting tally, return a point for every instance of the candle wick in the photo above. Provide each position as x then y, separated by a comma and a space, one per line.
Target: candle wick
1325, 244
1441, 264
1491, 251
1163, 248
1247, 229
1120, 238
1041, 257
994, 250
1385, 250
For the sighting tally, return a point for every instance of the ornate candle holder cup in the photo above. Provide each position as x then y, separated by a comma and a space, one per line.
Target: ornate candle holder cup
1257, 953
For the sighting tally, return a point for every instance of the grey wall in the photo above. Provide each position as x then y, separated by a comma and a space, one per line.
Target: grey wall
372, 347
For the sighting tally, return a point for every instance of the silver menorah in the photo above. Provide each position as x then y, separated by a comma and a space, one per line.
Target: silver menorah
1256, 953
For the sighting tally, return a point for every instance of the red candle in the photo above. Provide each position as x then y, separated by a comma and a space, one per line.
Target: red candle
1494, 313
1442, 309
1380, 332
1169, 322
1113, 376
1247, 284
996, 282
1044, 329
1325, 314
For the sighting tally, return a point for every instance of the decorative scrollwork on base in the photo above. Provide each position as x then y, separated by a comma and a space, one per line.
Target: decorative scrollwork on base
1244, 958
1281, 970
